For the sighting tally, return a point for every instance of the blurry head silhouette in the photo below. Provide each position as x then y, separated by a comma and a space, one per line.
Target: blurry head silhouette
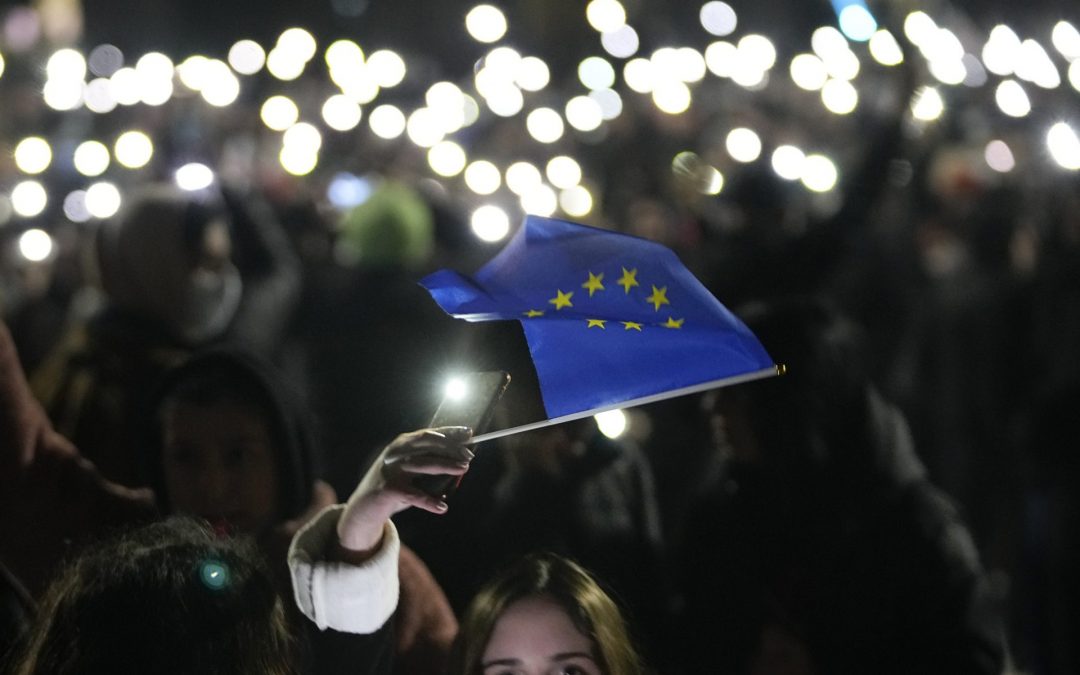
167, 257
167, 598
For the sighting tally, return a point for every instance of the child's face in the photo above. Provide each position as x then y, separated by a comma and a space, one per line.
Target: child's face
219, 463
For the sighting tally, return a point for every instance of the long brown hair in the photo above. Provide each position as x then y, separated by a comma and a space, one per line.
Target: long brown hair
592, 610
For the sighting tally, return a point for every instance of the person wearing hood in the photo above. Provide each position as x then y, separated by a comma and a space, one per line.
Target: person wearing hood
178, 271
822, 547
229, 444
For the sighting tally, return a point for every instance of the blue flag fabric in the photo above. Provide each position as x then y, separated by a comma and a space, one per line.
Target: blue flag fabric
608, 317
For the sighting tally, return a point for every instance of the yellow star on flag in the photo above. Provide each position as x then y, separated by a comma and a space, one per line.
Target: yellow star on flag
562, 299
629, 279
533, 313
658, 297
597, 323
672, 322
632, 325
593, 284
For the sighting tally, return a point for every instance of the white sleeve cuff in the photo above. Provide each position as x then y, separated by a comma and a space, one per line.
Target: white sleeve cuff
347, 598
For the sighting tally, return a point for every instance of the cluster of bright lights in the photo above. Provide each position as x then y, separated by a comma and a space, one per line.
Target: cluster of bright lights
505, 75
503, 82
747, 63
300, 145
294, 49
212, 78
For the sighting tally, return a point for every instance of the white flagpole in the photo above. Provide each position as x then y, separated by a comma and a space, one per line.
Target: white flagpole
778, 369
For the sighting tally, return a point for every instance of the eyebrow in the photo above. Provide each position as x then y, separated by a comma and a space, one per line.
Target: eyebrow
564, 656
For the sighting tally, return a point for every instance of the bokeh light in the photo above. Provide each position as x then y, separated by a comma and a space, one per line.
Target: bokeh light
808, 72
743, 144
387, 121
857, 23
622, 43
33, 155
605, 15
927, 104
447, 158
103, 200
532, 74
194, 176
482, 177
485, 23
298, 160
672, 96
563, 172
718, 18
35, 245
596, 73
124, 85
247, 57
490, 223
545, 125
540, 200
98, 96
75, 207
720, 58
91, 158
613, 423
302, 135
521, 177
29, 198
609, 102
1064, 146
885, 49
839, 97
341, 113
999, 156
788, 161
387, 68
1012, 99
133, 149
1066, 40
576, 201
424, 127
819, 173
279, 112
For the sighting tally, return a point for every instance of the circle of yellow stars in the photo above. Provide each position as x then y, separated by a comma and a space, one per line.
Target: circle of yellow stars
595, 284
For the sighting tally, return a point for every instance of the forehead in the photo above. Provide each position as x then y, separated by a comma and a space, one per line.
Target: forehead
225, 415
535, 625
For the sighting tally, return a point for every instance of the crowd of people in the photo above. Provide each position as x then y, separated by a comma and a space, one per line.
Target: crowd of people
173, 466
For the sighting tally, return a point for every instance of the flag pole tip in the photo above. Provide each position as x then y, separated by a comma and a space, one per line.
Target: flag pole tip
781, 369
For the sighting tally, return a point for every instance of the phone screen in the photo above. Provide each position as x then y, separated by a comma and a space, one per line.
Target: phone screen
468, 401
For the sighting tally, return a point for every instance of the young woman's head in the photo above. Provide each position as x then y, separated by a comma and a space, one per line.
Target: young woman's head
228, 445
544, 615
168, 598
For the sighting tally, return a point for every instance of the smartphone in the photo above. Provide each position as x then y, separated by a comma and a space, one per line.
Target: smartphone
468, 401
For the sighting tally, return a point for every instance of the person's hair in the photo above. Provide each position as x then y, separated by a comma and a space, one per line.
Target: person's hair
593, 612
169, 597
228, 375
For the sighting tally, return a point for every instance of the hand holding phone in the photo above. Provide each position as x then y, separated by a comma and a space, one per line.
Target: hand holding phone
469, 401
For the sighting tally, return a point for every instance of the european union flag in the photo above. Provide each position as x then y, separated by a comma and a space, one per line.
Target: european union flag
610, 319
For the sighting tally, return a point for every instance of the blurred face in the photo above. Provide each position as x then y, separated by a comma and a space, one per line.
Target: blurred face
535, 636
219, 464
